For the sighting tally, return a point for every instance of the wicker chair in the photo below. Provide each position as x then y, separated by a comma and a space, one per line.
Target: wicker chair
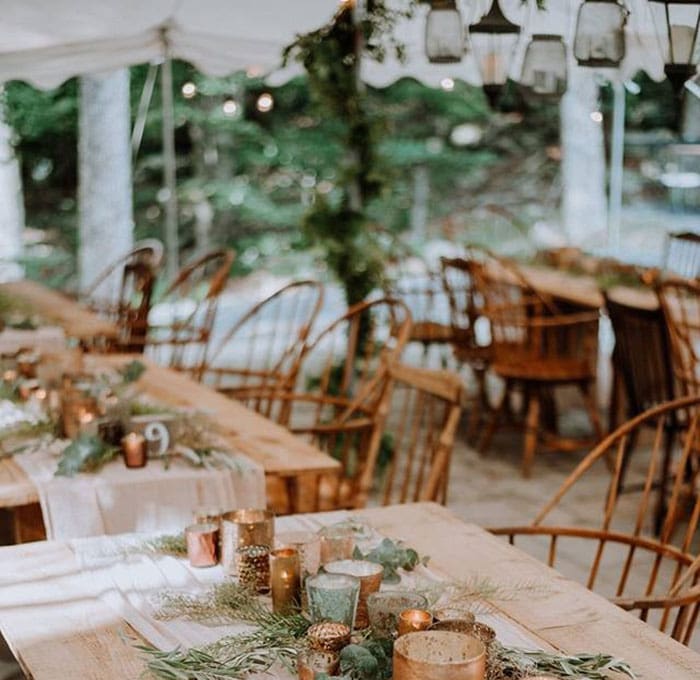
537, 349
338, 400
682, 254
419, 432
180, 325
137, 270
656, 576
262, 351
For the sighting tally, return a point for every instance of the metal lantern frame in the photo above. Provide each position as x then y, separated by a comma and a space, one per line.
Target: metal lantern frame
494, 23
546, 40
457, 25
599, 62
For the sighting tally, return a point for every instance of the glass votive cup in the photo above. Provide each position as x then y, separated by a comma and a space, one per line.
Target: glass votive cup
202, 542
413, 620
370, 577
253, 567
328, 636
285, 580
384, 608
308, 544
333, 597
311, 662
337, 543
241, 528
134, 450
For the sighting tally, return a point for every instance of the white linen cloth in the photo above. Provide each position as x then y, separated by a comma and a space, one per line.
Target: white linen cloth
118, 499
132, 583
42, 339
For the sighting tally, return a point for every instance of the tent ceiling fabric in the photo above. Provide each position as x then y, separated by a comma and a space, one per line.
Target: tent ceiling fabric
45, 42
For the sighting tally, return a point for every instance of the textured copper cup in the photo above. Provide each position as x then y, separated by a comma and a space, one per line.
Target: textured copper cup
439, 655
329, 636
313, 661
135, 450
202, 544
413, 620
285, 580
370, 577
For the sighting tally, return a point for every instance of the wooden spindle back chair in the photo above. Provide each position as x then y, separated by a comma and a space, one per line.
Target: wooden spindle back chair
137, 271
342, 383
180, 325
682, 254
419, 432
262, 351
656, 575
537, 348
680, 302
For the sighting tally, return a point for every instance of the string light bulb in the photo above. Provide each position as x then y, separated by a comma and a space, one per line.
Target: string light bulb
189, 90
265, 103
230, 107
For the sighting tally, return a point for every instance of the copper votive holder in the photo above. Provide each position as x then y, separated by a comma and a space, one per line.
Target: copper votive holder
285, 580
313, 662
241, 528
253, 567
308, 544
438, 655
370, 577
413, 620
337, 543
135, 450
329, 636
202, 544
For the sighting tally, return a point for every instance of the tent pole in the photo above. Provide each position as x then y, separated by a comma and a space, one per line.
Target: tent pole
142, 112
617, 156
169, 170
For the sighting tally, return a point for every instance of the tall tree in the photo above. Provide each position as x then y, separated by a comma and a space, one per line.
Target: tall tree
104, 176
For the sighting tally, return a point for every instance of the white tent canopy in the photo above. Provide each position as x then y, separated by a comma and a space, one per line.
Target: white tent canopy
44, 42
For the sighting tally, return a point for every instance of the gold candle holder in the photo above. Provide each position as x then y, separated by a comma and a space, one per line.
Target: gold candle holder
205, 514
311, 662
253, 567
241, 528
329, 636
79, 414
438, 655
285, 580
308, 544
202, 544
370, 577
412, 620
134, 450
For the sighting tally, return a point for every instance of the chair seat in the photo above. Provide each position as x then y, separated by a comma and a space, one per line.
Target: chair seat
546, 370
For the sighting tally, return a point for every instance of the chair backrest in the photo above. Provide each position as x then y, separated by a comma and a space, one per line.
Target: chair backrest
180, 332
682, 254
680, 302
419, 431
656, 575
262, 349
642, 354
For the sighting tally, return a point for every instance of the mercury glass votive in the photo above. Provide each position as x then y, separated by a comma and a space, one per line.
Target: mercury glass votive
253, 567
453, 614
202, 544
412, 620
134, 450
311, 662
333, 597
285, 580
337, 543
370, 577
438, 655
384, 608
241, 528
328, 636
308, 544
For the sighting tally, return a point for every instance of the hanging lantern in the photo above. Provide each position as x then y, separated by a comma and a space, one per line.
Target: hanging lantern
679, 39
544, 66
493, 40
600, 33
444, 33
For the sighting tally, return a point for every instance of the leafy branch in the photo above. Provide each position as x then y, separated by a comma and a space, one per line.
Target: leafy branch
392, 555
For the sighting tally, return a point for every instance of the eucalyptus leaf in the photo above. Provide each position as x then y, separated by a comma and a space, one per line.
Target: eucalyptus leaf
87, 453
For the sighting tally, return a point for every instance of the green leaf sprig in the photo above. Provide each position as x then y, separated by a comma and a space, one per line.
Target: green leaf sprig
392, 555
87, 453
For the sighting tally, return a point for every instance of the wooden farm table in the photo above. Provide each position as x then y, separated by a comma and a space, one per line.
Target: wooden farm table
282, 455
60, 310
57, 626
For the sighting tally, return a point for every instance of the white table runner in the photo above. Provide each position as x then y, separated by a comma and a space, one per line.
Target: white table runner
132, 586
118, 499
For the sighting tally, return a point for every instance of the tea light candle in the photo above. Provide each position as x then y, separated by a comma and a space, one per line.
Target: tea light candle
253, 567
412, 620
134, 450
328, 636
285, 580
202, 541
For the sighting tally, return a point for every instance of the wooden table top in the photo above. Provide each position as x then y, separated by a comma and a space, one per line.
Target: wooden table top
280, 453
56, 308
72, 634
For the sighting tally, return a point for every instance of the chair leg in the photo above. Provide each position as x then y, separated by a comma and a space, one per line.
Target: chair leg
531, 430
495, 418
